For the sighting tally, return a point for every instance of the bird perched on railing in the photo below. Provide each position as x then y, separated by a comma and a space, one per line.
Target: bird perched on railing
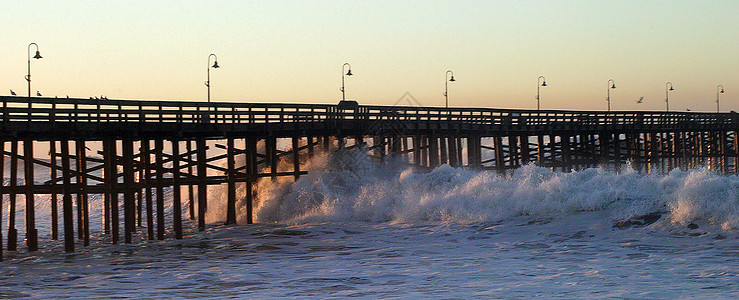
12, 93
38, 93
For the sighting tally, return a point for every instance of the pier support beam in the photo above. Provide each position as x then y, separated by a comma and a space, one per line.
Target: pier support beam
176, 192
54, 196
159, 156
202, 185
67, 198
12, 231
31, 232
129, 200
110, 173
148, 191
2, 185
231, 182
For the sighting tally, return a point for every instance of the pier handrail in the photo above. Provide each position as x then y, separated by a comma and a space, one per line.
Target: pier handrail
38, 109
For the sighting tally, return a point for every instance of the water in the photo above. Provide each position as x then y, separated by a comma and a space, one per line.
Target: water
354, 229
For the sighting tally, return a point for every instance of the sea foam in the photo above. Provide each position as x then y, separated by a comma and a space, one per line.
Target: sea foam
348, 185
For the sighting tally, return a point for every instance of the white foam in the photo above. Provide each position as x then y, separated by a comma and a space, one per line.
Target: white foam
348, 186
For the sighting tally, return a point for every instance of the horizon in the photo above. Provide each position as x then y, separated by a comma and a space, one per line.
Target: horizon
292, 52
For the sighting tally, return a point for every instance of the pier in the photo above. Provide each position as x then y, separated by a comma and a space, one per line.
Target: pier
130, 152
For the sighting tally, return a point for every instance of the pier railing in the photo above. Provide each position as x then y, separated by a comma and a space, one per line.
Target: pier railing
70, 110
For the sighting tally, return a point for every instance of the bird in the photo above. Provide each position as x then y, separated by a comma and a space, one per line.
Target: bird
12, 93
641, 99
38, 93
688, 109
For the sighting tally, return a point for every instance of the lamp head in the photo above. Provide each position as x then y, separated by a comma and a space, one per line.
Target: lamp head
613, 86
38, 55
349, 73
672, 89
452, 79
544, 83
722, 90
215, 65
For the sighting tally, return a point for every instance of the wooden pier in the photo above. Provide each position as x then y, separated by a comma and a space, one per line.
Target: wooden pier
131, 152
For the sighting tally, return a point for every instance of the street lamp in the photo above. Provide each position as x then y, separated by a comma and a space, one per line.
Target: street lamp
719, 91
28, 77
214, 66
538, 92
667, 94
446, 86
611, 85
348, 73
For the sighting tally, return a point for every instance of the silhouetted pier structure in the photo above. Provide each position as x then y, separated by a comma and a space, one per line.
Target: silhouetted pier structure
131, 151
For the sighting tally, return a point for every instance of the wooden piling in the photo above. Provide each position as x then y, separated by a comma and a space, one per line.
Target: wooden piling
202, 185
296, 157
129, 200
31, 232
110, 173
190, 186
525, 154
416, 144
433, 152
83, 208
159, 156
67, 197
54, 196
12, 232
176, 192
251, 173
231, 181
148, 190
2, 185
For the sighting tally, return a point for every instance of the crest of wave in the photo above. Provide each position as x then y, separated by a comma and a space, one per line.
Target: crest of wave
348, 185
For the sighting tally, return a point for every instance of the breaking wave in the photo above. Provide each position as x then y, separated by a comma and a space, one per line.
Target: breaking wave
349, 186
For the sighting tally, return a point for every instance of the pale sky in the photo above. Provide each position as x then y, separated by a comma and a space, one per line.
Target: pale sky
293, 51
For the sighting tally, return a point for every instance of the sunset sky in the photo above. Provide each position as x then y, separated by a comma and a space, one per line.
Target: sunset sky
293, 51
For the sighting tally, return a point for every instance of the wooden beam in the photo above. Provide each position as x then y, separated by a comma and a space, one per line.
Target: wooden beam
176, 192
67, 199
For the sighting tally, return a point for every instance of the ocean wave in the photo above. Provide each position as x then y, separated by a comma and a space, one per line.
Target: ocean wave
350, 186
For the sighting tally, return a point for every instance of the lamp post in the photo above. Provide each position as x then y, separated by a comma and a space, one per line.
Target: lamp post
28, 77
667, 94
348, 73
719, 91
538, 92
214, 66
611, 85
446, 86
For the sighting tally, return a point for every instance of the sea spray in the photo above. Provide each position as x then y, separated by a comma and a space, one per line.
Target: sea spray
350, 185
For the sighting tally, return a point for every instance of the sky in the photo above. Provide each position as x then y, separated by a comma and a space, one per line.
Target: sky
293, 51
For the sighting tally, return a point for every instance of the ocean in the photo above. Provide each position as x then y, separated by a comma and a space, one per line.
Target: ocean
354, 228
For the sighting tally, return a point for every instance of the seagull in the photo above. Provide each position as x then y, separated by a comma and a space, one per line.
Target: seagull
12, 93
641, 99
38, 93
